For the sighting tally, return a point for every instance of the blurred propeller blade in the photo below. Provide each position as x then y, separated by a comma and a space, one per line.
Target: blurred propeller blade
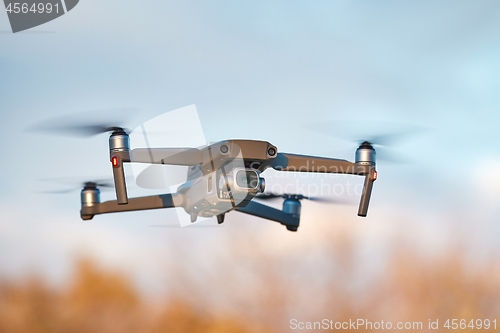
99, 184
336, 200
76, 184
87, 130
86, 124
58, 191
382, 135
376, 133
322, 199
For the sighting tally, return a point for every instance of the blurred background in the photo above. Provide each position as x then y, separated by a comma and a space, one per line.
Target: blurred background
300, 75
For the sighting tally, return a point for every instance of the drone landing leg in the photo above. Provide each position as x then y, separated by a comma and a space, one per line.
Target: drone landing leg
194, 217
367, 192
120, 185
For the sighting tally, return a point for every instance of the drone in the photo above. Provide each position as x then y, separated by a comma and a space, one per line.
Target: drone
222, 177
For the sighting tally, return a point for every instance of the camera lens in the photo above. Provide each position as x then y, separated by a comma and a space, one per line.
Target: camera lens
247, 179
271, 151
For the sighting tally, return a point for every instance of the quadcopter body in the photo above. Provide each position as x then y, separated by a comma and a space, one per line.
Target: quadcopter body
222, 177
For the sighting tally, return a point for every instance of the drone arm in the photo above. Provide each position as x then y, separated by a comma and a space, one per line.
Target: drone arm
171, 156
304, 163
134, 204
270, 213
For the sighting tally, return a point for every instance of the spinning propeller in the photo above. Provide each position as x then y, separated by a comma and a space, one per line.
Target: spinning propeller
92, 123
265, 196
96, 184
86, 124
382, 136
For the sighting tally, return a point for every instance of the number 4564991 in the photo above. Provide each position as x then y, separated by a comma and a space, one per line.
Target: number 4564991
462, 324
36, 8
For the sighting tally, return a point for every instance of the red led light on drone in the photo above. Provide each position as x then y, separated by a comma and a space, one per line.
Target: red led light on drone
374, 176
115, 162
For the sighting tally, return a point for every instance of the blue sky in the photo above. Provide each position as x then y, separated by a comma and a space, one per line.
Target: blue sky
259, 70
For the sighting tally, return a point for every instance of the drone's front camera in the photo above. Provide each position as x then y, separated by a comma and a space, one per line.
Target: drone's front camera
271, 151
224, 149
247, 179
